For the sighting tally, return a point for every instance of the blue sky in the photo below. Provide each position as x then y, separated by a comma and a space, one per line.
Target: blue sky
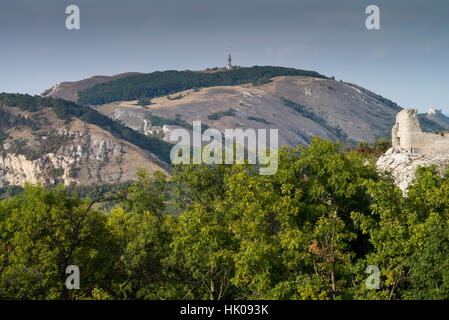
406, 61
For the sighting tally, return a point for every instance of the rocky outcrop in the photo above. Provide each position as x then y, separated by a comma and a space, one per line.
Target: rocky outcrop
136, 119
403, 165
413, 148
89, 158
16, 169
74, 153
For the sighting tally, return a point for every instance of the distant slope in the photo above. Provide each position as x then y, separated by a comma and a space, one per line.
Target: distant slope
301, 104
69, 90
167, 82
300, 107
66, 110
42, 141
438, 118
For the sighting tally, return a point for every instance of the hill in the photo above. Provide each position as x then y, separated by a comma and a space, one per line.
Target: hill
158, 84
69, 90
439, 118
301, 107
302, 104
55, 141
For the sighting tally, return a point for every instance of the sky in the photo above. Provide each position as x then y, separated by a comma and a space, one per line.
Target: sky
405, 61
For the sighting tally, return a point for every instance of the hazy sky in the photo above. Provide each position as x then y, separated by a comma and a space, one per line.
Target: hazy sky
406, 61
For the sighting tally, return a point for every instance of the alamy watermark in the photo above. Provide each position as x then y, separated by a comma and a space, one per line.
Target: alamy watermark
220, 150
73, 21
72, 281
372, 22
373, 281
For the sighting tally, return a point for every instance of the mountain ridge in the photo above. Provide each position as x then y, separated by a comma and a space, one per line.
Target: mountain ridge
56, 141
48, 139
68, 90
300, 107
328, 110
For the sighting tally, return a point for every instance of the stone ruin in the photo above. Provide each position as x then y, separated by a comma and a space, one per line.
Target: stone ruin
413, 148
407, 136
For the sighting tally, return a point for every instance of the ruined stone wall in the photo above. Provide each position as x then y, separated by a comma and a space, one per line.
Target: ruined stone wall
408, 136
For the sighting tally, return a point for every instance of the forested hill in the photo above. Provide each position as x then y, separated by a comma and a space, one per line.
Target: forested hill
66, 110
162, 83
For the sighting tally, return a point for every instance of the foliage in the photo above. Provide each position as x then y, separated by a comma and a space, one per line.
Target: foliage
307, 232
159, 121
257, 119
378, 148
43, 232
10, 191
51, 144
66, 110
217, 115
9, 120
23, 101
179, 96
144, 102
158, 83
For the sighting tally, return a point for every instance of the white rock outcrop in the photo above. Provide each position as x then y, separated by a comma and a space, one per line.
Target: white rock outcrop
93, 151
413, 148
403, 165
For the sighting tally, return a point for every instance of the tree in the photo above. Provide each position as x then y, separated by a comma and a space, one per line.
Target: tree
44, 231
203, 244
143, 238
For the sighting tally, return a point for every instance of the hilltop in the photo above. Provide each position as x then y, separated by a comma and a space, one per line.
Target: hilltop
69, 90
101, 89
300, 107
124, 122
301, 104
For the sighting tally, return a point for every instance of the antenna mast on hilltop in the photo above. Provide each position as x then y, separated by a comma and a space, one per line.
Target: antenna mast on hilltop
229, 65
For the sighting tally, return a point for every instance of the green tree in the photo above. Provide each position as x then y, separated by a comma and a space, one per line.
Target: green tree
143, 237
44, 231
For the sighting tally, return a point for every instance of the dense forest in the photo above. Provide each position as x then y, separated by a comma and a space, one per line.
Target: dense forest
307, 232
162, 83
66, 110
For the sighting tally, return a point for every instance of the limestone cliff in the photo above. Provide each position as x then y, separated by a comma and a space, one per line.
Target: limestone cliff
403, 165
49, 150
